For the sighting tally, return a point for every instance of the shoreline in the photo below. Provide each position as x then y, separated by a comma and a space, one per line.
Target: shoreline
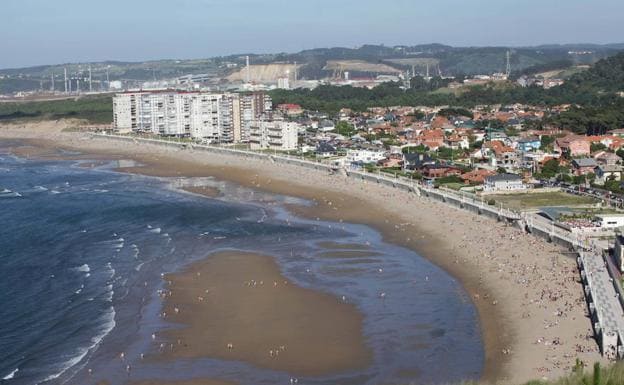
485, 263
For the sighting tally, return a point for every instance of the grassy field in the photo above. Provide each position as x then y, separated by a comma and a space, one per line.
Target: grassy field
94, 109
529, 201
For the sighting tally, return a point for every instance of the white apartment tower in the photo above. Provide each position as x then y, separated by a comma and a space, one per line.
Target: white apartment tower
274, 135
221, 117
252, 107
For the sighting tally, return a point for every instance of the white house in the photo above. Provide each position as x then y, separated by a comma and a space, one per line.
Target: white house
610, 221
364, 156
504, 182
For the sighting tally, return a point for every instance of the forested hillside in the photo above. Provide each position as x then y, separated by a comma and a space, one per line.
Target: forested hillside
595, 92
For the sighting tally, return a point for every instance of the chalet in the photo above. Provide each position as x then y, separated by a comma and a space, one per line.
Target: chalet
572, 145
500, 155
290, 109
415, 161
364, 156
606, 158
394, 160
432, 137
504, 182
583, 166
325, 150
477, 176
432, 171
456, 142
529, 144
607, 172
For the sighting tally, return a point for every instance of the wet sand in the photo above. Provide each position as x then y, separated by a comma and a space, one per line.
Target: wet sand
238, 306
208, 191
526, 290
189, 382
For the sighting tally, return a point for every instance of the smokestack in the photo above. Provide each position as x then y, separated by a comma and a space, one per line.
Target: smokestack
66, 80
52, 78
295, 72
247, 69
90, 84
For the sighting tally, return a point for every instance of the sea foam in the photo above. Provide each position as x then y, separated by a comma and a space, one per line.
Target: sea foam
11, 375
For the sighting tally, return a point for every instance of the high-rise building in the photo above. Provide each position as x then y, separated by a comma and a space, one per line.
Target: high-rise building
274, 135
252, 107
224, 117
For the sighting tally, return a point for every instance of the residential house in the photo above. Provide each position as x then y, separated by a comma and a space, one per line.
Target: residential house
504, 182
432, 171
290, 109
500, 155
572, 145
477, 176
607, 158
607, 172
456, 142
431, 138
364, 156
529, 144
394, 160
583, 166
415, 161
325, 150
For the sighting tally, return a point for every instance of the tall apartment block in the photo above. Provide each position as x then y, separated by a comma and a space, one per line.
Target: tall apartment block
274, 135
224, 117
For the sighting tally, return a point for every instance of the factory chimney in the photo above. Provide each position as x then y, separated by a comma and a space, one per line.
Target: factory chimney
247, 70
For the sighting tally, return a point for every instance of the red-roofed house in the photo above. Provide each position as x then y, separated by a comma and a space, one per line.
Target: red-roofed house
477, 176
290, 109
572, 145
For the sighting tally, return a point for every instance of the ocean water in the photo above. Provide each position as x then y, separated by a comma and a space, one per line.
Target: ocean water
82, 251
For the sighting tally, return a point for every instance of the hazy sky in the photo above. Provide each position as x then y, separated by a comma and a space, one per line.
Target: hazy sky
36, 32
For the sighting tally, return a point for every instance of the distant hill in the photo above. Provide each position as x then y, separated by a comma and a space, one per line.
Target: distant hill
605, 76
320, 63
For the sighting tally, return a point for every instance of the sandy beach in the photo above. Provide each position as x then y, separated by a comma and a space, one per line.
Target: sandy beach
527, 291
238, 306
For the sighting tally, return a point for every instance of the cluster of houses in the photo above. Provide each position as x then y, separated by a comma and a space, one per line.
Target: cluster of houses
494, 147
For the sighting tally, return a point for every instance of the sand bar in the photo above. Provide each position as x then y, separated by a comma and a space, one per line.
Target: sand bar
238, 306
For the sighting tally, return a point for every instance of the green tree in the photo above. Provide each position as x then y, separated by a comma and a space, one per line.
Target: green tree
546, 142
344, 128
550, 168
597, 146
421, 149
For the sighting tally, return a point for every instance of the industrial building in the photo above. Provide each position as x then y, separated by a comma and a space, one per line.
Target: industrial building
218, 117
